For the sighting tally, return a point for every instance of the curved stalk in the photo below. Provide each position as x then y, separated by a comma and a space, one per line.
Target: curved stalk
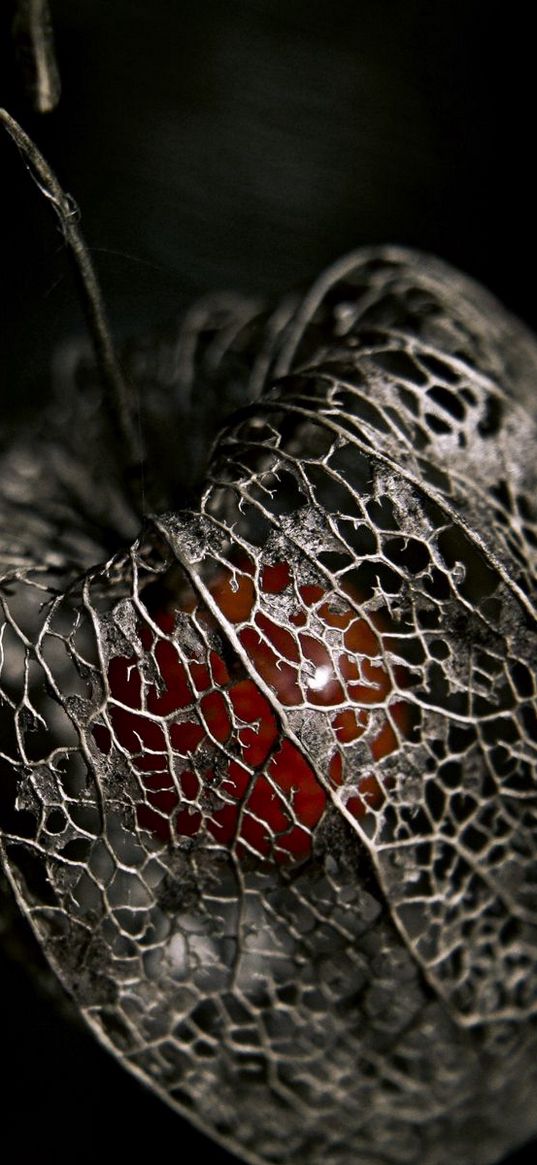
66, 209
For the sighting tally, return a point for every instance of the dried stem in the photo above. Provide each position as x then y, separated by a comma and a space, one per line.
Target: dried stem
120, 395
34, 46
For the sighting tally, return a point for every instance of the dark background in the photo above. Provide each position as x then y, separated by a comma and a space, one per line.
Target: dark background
242, 144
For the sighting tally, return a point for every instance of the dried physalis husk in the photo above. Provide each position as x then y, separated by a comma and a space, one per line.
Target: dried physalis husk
268, 783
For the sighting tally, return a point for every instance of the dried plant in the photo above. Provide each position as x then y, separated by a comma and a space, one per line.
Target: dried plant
268, 762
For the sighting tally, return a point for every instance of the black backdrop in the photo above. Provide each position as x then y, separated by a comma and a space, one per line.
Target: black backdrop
242, 144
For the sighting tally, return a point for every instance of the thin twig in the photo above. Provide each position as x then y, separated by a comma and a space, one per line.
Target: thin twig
120, 396
34, 47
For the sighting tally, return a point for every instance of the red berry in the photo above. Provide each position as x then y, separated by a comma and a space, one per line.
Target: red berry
263, 795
